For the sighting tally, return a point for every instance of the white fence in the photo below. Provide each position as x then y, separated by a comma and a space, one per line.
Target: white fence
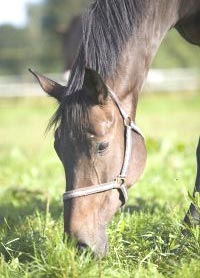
158, 81
24, 86
173, 80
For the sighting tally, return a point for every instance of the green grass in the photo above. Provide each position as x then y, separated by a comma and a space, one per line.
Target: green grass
145, 238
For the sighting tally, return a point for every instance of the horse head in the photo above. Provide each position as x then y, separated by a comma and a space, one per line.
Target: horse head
90, 141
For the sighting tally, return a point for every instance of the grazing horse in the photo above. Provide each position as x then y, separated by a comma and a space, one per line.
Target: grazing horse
101, 148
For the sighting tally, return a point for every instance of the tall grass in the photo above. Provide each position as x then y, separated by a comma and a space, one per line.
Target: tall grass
145, 238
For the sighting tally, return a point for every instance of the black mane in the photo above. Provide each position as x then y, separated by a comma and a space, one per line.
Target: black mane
107, 26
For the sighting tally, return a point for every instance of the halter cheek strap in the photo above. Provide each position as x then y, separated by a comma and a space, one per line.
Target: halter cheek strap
120, 182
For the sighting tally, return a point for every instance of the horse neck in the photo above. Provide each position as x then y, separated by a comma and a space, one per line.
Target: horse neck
138, 53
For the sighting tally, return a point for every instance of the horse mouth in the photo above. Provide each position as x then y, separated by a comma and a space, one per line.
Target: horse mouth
101, 251
98, 250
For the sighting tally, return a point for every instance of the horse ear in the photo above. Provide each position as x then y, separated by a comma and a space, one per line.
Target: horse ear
96, 88
51, 87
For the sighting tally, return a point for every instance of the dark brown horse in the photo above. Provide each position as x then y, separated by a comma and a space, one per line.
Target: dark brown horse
120, 39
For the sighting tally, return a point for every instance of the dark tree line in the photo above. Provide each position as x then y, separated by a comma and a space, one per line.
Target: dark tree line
39, 43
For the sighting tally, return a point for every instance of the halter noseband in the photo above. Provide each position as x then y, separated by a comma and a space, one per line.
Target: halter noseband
119, 182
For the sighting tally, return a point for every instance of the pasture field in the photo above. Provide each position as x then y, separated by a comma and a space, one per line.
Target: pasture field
145, 237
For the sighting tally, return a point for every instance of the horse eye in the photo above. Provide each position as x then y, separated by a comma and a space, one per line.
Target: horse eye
101, 147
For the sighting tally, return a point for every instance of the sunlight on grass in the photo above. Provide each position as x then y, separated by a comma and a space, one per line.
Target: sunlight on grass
145, 237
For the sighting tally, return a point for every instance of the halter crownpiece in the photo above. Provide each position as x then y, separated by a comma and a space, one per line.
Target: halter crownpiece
120, 181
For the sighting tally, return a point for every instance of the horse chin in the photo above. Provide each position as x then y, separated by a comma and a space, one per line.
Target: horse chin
99, 249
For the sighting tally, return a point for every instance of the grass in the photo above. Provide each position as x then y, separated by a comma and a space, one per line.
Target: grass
145, 237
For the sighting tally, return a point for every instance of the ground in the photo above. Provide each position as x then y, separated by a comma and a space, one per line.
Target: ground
145, 237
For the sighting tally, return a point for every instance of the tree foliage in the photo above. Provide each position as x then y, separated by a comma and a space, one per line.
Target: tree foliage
38, 44
13, 48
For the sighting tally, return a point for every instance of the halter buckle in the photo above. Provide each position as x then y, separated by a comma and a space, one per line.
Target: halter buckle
128, 122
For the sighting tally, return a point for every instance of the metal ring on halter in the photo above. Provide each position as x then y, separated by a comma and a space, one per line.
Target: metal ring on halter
128, 122
120, 179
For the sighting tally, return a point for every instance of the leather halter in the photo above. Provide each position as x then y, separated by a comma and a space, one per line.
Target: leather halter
120, 181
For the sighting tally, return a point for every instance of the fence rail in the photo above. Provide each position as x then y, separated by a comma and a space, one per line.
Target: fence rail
173, 80
157, 81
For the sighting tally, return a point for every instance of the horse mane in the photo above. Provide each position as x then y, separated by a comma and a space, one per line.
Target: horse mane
107, 26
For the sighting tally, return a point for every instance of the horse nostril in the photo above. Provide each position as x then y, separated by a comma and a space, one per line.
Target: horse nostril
82, 246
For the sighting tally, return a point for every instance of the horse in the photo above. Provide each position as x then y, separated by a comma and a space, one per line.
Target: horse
101, 148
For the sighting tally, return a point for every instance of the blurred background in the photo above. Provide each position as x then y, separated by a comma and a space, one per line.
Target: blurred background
44, 35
